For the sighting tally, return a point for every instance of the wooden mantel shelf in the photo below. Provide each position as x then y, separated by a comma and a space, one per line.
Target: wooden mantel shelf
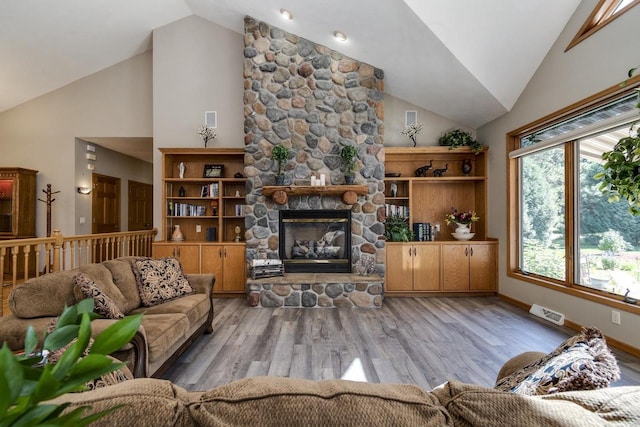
349, 193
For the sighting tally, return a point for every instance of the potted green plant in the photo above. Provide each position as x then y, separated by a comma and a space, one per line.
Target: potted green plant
280, 154
396, 229
621, 168
27, 381
349, 154
460, 138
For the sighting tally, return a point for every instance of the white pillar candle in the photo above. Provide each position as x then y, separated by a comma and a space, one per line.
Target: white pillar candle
322, 179
313, 181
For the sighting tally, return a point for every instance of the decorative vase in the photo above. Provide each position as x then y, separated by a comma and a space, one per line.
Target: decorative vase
349, 179
467, 166
182, 192
463, 228
177, 234
279, 179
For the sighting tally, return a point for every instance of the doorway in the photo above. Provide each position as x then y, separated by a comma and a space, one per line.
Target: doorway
140, 201
105, 204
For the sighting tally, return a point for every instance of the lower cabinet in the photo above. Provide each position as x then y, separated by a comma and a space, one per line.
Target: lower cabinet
469, 267
439, 267
187, 254
413, 267
226, 261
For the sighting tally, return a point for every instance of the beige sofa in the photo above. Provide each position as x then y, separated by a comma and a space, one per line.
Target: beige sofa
167, 329
272, 401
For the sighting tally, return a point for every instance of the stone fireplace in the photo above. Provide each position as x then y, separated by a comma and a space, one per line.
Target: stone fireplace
312, 100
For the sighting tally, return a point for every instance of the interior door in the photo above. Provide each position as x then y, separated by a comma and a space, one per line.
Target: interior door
140, 206
105, 208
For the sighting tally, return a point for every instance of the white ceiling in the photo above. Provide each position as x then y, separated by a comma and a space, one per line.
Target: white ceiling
466, 60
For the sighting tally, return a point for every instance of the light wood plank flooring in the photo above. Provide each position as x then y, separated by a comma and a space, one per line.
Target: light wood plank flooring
423, 341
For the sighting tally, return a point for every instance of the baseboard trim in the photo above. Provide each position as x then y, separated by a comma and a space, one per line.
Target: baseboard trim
577, 327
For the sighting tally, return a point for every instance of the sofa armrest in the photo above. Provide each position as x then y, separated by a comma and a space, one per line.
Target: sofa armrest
13, 330
518, 362
138, 345
202, 283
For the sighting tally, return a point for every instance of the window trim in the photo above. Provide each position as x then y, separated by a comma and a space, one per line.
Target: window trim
601, 15
513, 201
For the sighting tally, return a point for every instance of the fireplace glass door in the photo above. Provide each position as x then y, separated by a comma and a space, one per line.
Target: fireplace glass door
315, 241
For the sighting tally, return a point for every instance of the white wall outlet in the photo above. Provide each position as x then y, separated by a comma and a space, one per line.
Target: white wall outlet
198, 228
83, 220
615, 317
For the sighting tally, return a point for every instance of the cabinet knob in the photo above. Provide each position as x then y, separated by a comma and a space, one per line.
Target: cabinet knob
414, 251
466, 251
471, 251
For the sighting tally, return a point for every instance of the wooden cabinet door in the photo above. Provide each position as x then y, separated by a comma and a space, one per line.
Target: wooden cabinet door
189, 256
455, 267
426, 268
399, 267
212, 263
482, 267
234, 270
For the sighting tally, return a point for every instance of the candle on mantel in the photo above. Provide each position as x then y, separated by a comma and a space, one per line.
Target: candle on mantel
322, 179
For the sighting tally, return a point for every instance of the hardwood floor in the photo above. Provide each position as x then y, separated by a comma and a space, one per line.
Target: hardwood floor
423, 341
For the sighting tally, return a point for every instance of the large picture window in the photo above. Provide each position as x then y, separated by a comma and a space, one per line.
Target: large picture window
564, 232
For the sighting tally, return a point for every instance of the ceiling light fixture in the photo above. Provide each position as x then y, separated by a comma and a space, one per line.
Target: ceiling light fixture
340, 36
286, 14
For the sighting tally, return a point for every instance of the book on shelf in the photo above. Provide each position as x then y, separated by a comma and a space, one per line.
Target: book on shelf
398, 210
210, 190
422, 232
185, 209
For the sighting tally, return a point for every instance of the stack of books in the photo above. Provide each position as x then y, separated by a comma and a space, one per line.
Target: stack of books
259, 268
422, 232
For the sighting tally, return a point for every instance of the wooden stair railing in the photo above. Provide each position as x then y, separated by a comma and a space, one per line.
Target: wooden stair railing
22, 259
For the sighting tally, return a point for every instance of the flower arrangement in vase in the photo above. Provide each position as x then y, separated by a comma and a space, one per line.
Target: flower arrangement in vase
463, 221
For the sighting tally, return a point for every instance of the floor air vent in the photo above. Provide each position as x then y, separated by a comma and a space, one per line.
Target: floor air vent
547, 314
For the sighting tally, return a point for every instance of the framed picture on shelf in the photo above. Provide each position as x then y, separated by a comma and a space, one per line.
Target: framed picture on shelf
212, 171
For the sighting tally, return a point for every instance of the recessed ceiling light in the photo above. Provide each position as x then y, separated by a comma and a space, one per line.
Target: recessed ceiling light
340, 36
286, 14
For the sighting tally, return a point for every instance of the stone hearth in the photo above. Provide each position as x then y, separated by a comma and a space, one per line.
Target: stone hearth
316, 290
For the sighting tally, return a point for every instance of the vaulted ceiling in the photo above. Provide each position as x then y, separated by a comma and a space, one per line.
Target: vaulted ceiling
466, 60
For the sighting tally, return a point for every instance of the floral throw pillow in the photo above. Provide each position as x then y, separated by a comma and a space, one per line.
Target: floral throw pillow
583, 362
160, 280
102, 303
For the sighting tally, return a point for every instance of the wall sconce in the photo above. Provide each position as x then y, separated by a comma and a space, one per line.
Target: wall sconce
84, 190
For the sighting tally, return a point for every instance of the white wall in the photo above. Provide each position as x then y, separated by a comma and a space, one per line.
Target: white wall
40, 134
197, 67
433, 124
563, 78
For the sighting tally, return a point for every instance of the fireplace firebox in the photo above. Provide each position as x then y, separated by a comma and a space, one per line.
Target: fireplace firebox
315, 241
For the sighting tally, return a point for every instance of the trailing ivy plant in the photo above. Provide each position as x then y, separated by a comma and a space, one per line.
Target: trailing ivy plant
348, 154
280, 153
621, 167
27, 380
460, 138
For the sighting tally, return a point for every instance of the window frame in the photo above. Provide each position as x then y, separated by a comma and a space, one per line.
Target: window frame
602, 15
513, 138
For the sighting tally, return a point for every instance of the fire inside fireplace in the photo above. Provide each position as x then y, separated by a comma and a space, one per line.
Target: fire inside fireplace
315, 241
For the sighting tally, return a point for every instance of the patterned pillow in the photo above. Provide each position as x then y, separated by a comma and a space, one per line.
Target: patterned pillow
160, 280
582, 362
102, 303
